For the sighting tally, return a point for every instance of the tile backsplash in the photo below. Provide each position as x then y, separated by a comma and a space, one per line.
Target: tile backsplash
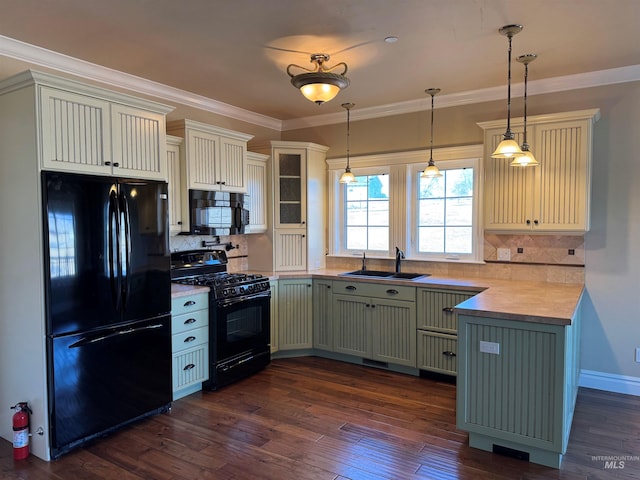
537, 249
237, 256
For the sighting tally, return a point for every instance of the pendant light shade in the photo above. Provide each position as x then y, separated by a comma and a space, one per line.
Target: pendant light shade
508, 147
320, 84
347, 176
431, 171
527, 160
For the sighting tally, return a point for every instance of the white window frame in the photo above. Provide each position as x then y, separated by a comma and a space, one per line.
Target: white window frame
403, 169
339, 214
476, 254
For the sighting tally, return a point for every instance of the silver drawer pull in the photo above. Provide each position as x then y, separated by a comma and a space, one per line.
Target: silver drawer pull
447, 309
189, 303
189, 321
449, 354
189, 339
393, 291
189, 367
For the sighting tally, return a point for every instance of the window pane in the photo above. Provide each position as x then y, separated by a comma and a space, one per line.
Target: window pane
431, 239
378, 238
357, 238
445, 213
459, 239
367, 213
459, 211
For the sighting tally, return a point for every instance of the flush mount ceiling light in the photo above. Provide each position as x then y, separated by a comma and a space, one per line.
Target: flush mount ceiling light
347, 176
431, 171
320, 84
508, 147
527, 160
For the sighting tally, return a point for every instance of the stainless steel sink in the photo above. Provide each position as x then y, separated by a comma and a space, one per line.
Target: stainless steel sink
383, 274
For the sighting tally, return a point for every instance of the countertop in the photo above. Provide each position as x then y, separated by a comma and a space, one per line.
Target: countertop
538, 302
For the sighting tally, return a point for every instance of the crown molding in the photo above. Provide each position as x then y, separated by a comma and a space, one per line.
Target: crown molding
63, 63
598, 78
18, 50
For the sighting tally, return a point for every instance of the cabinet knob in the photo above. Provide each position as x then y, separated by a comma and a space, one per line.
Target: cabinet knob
303, 236
179, 223
303, 222
116, 164
223, 183
535, 222
189, 367
448, 353
528, 222
107, 163
447, 309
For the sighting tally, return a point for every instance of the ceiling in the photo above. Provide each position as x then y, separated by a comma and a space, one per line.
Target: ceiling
237, 51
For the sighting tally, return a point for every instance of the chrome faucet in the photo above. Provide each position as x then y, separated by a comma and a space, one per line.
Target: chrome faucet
399, 256
364, 262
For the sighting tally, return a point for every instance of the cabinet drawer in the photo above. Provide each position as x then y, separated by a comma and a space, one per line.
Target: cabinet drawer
435, 309
190, 367
188, 321
189, 303
189, 339
397, 292
437, 352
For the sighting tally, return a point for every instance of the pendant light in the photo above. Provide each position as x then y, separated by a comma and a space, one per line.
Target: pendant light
527, 160
431, 171
347, 176
508, 147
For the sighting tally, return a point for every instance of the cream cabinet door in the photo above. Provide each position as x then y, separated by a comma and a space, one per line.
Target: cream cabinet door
174, 175
139, 143
203, 159
232, 173
290, 249
258, 195
75, 132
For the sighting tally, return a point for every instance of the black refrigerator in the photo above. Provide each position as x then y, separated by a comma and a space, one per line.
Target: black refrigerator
108, 303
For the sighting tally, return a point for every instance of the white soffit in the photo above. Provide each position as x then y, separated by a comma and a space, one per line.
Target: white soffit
89, 71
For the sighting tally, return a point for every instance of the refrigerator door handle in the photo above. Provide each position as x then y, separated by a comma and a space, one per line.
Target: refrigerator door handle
114, 248
126, 233
125, 331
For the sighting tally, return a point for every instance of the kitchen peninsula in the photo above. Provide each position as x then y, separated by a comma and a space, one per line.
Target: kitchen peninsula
517, 347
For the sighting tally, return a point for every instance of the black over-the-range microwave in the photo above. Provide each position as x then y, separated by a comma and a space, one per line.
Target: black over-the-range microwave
217, 213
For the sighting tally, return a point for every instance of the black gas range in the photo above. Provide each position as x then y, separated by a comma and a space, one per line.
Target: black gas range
239, 314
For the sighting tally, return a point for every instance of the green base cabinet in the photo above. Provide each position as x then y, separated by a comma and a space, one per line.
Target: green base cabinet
521, 396
322, 315
295, 314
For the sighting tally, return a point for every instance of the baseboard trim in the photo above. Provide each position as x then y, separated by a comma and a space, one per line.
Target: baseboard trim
610, 382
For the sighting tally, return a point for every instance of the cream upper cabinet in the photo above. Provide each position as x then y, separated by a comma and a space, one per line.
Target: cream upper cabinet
295, 238
101, 134
257, 190
215, 158
551, 197
174, 178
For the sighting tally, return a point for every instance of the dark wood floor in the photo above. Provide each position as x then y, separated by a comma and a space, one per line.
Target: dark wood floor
312, 418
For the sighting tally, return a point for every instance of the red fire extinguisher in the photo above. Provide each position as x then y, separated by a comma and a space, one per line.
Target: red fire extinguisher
21, 431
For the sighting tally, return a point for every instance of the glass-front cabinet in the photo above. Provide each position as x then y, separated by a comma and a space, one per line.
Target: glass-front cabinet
291, 191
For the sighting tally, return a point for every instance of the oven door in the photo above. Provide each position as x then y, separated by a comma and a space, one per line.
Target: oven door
242, 325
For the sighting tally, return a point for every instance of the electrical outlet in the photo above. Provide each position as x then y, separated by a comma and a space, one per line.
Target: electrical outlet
520, 250
504, 254
638, 354
490, 347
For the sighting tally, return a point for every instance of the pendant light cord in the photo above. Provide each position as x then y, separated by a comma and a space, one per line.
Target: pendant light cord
431, 147
348, 132
509, 93
526, 75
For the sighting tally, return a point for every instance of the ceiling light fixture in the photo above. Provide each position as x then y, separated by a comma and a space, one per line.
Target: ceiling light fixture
508, 147
527, 160
347, 176
320, 84
431, 171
